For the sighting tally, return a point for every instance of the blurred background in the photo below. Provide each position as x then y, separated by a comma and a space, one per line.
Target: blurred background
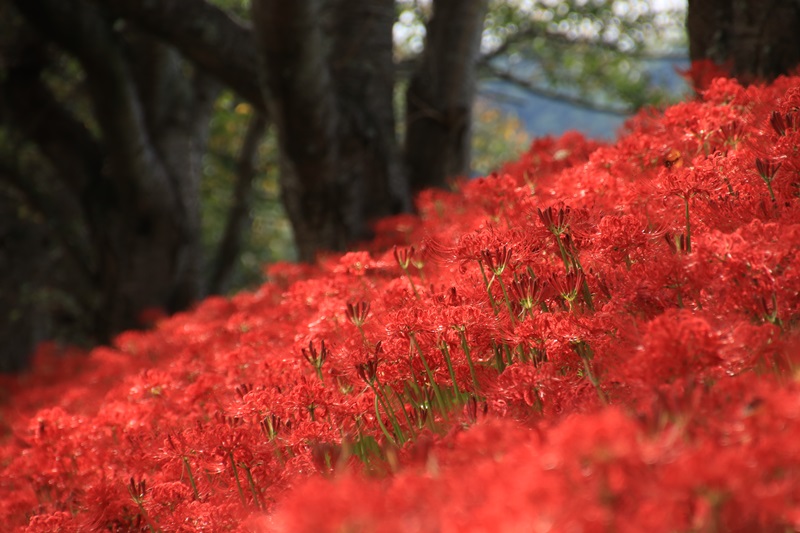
541, 73
77, 125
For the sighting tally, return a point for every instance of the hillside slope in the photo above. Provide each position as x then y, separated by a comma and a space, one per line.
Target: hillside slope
599, 337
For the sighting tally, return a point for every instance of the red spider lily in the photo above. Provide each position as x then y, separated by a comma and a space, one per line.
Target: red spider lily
569, 285
555, 219
732, 133
315, 357
357, 313
527, 291
498, 259
672, 401
403, 255
767, 168
368, 370
782, 123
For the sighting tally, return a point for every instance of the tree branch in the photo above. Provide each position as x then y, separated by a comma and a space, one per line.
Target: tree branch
533, 32
29, 105
555, 95
83, 30
239, 213
212, 39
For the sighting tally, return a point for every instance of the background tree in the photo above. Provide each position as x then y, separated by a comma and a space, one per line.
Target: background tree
119, 116
756, 40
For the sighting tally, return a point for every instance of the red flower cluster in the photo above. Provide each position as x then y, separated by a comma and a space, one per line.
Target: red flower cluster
595, 338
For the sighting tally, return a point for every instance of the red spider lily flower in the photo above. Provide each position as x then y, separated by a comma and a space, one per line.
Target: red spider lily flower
688, 183
270, 425
677, 243
732, 133
767, 168
527, 290
243, 389
403, 255
357, 313
555, 219
368, 370
498, 259
782, 123
316, 358
569, 285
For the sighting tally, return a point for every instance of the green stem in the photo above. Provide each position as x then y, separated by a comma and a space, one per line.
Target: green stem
411, 281
446, 353
563, 251
380, 421
191, 478
429, 372
488, 288
405, 415
252, 483
508, 301
593, 380
236, 476
363, 337
498, 357
383, 399
688, 226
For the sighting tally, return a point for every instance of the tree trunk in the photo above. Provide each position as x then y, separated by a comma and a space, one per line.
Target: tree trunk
439, 98
328, 78
139, 187
757, 40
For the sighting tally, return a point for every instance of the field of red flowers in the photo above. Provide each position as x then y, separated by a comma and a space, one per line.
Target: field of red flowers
595, 338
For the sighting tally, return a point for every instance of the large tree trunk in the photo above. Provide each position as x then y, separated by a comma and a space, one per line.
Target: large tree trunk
439, 98
138, 183
328, 79
758, 40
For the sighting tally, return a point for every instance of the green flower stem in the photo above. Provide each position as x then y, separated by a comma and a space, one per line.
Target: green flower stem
380, 421
405, 414
689, 226
436, 391
411, 281
507, 299
191, 478
236, 476
446, 352
384, 402
467, 352
252, 483
488, 286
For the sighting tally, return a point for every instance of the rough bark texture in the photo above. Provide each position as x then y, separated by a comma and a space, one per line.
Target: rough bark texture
137, 184
211, 38
127, 178
759, 40
327, 70
439, 98
238, 220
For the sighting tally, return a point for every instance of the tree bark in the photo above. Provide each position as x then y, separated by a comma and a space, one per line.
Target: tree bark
757, 40
439, 98
230, 245
211, 38
141, 202
328, 79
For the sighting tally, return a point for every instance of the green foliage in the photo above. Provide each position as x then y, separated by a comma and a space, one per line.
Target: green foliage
584, 50
592, 51
497, 137
269, 236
